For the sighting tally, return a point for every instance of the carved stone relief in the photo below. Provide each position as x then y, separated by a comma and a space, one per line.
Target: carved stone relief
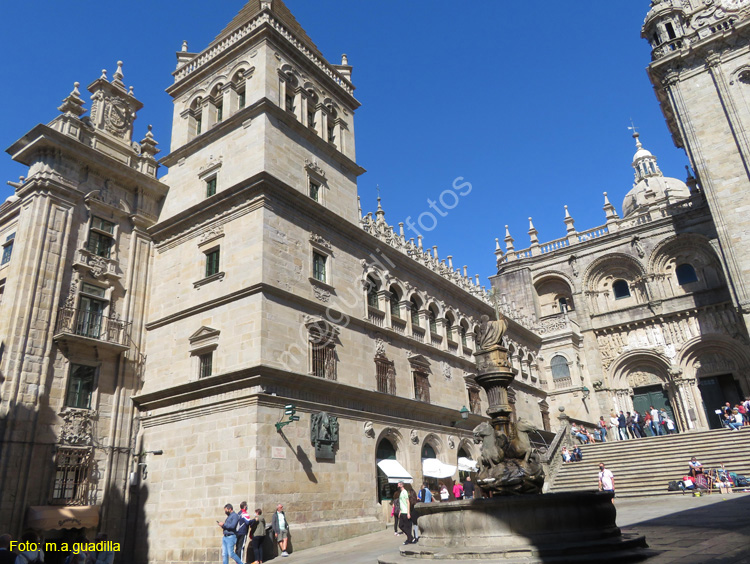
77, 426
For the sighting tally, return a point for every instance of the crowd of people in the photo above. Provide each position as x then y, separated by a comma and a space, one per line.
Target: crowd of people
241, 526
404, 514
736, 417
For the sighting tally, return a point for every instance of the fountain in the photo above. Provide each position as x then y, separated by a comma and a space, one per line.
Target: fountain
517, 523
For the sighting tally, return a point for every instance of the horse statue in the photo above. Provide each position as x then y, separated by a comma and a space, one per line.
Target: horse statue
492, 452
520, 447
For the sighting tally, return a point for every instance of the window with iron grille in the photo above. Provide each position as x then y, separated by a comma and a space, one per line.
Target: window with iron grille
8, 248
101, 237
421, 387
71, 476
323, 357
206, 363
80, 386
475, 401
319, 266
463, 336
372, 293
433, 321
414, 313
212, 262
385, 374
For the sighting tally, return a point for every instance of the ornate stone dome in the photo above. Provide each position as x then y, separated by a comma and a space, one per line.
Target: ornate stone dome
650, 186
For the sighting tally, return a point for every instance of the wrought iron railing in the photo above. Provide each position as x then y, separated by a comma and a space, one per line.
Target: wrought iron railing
93, 325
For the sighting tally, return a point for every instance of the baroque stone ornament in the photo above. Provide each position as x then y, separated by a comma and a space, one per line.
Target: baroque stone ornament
369, 430
490, 333
414, 437
324, 435
446, 370
322, 294
77, 426
451, 442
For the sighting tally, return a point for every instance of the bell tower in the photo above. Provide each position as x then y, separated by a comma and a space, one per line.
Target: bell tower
700, 70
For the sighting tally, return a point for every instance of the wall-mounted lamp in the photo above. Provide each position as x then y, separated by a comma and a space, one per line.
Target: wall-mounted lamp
586, 392
464, 415
143, 467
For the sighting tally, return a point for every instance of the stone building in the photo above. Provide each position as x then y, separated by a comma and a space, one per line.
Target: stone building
240, 329
158, 335
651, 308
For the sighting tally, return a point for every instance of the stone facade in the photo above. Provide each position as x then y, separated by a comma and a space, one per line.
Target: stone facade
153, 332
245, 280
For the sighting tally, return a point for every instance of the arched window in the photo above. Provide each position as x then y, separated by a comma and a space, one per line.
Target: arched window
563, 305
463, 335
372, 292
686, 274
414, 312
449, 327
620, 289
395, 300
559, 367
428, 451
433, 320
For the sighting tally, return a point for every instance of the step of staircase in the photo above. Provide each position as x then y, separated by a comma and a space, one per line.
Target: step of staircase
644, 467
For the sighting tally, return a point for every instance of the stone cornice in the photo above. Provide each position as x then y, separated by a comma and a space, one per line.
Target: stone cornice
260, 107
306, 304
263, 26
44, 137
261, 190
310, 393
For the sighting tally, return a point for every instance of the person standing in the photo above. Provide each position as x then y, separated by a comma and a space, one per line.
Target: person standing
242, 529
258, 533
655, 422
30, 556
622, 426
606, 480
613, 425
404, 517
468, 488
458, 490
280, 526
229, 529
396, 511
425, 495
602, 424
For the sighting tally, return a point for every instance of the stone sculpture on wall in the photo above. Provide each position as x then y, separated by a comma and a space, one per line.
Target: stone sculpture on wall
324, 435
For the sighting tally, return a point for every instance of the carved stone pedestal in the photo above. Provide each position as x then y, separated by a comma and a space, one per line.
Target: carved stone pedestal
563, 527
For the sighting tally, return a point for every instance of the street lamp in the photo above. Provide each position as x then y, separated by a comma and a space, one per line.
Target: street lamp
464, 415
142, 465
586, 393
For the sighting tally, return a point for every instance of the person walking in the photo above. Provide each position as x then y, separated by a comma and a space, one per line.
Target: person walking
404, 517
606, 480
425, 495
468, 488
242, 529
656, 422
258, 534
280, 526
396, 511
229, 529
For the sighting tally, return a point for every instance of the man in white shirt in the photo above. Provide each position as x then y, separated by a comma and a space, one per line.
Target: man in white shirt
280, 526
606, 480
655, 422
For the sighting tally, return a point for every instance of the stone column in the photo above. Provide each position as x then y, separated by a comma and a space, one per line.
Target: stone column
494, 375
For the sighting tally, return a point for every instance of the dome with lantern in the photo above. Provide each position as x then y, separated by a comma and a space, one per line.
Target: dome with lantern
651, 187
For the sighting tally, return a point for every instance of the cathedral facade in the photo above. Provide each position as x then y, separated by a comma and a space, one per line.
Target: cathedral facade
240, 329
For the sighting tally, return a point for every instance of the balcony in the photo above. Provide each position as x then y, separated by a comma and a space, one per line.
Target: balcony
375, 316
417, 333
452, 346
88, 327
398, 325
562, 383
435, 339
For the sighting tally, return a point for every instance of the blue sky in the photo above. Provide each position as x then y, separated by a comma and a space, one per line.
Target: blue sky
528, 101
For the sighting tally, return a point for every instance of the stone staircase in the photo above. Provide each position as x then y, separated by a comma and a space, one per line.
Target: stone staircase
644, 467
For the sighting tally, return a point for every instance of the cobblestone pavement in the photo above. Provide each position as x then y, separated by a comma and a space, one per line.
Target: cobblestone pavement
691, 530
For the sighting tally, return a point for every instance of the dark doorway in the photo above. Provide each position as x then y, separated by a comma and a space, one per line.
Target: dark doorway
385, 451
644, 398
716, 391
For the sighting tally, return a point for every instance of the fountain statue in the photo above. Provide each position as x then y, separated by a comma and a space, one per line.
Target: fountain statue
515, 522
